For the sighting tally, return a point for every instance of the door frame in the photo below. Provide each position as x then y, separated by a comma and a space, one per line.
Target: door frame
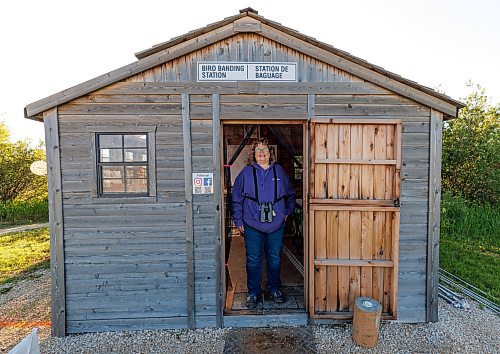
305, 217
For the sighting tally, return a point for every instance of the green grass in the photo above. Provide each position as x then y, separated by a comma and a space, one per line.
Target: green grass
470, 243
21, 253
14, 213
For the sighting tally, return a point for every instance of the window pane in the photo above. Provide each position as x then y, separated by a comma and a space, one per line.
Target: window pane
110, 141
135, 140
137, 185
112, 172
111, 155
136, 172
136, 155
113, 186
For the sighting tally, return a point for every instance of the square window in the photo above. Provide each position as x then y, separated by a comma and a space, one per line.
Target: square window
123, 166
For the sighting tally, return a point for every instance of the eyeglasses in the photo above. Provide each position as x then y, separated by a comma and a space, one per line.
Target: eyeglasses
262, 149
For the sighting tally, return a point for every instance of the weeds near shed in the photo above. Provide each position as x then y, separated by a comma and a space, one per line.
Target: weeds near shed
470, 243
21, 254
23, 212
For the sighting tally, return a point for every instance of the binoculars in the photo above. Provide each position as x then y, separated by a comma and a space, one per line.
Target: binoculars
266, 212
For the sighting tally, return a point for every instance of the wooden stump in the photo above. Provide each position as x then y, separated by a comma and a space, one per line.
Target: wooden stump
366, 323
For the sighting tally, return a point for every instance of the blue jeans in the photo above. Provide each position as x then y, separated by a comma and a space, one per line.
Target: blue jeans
256, 244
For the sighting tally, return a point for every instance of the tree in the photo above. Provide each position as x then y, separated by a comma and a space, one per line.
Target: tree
16, 179
4, 133
471, 150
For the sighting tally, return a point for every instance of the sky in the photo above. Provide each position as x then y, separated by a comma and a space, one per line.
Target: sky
48, 46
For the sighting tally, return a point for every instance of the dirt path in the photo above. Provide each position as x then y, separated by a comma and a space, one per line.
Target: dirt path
23, 228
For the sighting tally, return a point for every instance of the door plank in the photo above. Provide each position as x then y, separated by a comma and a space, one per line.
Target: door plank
320, 177
343, 252
354, 253
344, 152
388, 256
389, 170
332, 231
366, 252
378, 248
380, 154
333, 153
320, 252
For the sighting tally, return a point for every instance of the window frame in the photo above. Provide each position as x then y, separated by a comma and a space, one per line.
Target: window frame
150, 132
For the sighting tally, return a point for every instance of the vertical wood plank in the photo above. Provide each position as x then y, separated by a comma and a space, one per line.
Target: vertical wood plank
366, 252
312, 164
320, 178
378, 248
367, 175
398, 152
343, 251
356, 153
344, 153
305, 210
388, 255
58, 286
216, 169
311, 262
355, 217
354, 253
389, 169
434, 215
368, 153
151, 162
186, 134
312, 142
395, 269
380, 154
320, 252
332, 231
333, 153
311, 99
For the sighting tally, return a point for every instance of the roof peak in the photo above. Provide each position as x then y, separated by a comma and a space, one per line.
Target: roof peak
249, 9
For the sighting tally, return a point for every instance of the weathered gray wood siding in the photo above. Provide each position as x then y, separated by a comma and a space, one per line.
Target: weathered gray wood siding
125, 261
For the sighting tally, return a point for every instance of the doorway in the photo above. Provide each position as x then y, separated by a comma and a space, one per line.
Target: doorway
287, 139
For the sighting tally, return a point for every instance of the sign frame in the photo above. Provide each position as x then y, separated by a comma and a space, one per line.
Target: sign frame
232, 71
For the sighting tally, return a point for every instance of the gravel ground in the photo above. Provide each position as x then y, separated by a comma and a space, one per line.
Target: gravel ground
458, 331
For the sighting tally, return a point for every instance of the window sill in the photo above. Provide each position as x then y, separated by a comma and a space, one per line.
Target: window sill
123, 200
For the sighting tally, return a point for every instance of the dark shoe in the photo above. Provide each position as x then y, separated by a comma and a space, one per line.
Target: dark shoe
251, 302
277, 297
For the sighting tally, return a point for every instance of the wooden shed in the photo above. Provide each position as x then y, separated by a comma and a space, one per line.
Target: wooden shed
141, 161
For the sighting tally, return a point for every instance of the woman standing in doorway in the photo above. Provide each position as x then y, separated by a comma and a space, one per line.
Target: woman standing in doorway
263, 198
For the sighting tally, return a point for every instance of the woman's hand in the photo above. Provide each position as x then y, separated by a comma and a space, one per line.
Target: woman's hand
242, 229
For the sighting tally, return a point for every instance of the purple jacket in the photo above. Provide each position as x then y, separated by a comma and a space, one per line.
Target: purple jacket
246, 210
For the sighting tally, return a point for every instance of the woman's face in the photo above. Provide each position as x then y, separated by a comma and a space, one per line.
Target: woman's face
262, 154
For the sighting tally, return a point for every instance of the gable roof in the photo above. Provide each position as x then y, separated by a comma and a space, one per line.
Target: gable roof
248, 20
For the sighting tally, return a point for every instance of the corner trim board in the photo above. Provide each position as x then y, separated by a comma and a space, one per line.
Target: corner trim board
436, 127
54, 181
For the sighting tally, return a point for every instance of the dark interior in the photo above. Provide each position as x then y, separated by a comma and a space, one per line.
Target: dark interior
287, 140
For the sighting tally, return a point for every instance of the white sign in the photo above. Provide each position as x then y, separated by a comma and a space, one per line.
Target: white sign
39, 168
203, 183
238, 71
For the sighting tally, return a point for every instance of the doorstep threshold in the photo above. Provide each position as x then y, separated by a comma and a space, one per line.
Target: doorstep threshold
270, 320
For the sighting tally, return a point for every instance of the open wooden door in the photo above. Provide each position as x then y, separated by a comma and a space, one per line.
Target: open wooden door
353, 215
